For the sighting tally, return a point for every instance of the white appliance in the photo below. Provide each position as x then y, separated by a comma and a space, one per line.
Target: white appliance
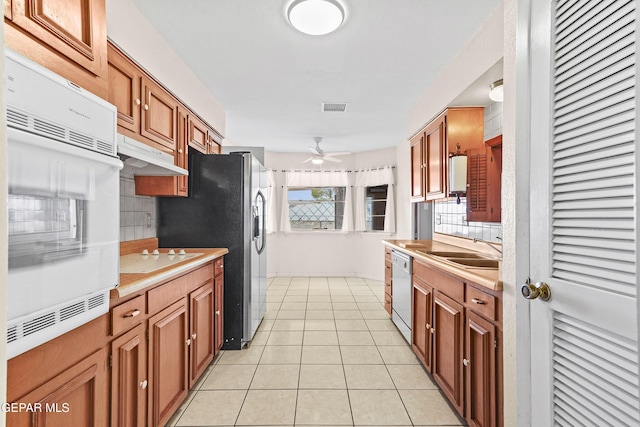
146, 160
63, 204
401, 293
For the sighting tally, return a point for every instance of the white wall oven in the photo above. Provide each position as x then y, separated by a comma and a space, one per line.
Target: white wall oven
63, 204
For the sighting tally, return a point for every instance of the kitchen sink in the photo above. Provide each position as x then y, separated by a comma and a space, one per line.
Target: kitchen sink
464, 259
475, 262
455, 254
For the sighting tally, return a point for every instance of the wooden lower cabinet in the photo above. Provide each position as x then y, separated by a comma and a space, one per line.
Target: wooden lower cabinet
218, 298
201, 307
421, 321
388, 281
168, 356
456, 329
129, 379
480, 366
448, 342
79, 396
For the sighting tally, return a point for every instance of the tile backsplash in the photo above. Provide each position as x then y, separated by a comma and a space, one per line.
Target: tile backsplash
450, 217
137, 213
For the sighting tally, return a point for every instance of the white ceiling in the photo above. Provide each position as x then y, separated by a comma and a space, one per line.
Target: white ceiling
272, 79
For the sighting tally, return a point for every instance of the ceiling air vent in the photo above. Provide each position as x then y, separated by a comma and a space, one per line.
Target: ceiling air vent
334, 107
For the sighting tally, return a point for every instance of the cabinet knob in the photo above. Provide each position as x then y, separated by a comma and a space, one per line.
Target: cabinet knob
428, 326
137, 101
144, 384
433, 331
217, 312
193, 337
465, 362
146, 107
180, 150
477, 301
188, 341
133, 313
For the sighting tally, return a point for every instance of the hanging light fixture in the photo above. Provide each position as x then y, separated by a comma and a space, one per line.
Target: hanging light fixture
496, 92
317, 160
316, 17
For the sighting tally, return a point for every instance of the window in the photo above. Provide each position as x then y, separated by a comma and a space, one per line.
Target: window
316, 208
375, 207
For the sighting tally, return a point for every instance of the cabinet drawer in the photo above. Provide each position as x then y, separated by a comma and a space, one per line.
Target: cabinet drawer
162, 296
128, 314
218, 266
443, 282
387, 270
481, 302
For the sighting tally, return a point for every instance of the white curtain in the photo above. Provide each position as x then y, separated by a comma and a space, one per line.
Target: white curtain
316, 179
371, 178
272, 216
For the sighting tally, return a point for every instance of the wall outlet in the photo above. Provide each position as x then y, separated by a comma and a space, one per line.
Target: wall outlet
464, 219
148, 220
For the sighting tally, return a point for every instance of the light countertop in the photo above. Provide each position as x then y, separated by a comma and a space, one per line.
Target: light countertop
135, 282
489, 278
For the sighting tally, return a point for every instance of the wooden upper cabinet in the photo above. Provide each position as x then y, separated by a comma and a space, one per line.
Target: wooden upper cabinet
198, 134
124, 89
68, 37
484, 168
214, 145
431, 147
170, 185
417, 167
159, 114
435, 147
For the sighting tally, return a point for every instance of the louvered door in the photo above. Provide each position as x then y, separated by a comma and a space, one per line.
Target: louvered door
583, 216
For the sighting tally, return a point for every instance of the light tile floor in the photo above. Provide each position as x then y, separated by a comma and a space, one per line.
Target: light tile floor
326, 354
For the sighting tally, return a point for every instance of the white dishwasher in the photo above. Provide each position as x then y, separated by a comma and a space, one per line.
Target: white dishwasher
401, 292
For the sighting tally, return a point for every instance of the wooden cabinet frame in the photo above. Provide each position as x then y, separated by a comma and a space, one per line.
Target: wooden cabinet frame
456, 329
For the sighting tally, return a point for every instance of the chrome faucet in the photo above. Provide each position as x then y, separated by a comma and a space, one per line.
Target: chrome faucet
488, 244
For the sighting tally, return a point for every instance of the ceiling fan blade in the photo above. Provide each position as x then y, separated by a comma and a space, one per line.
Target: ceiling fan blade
338, 153
314, 150
308, 160
331, 159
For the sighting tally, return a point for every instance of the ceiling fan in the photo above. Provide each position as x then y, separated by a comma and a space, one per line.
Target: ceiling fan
320, 156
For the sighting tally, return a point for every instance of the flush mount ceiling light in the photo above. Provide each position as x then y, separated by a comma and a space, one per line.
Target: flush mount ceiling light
317, 160
497, 91
316, 17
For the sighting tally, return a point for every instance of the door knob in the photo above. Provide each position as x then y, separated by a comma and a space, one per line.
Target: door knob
538, 290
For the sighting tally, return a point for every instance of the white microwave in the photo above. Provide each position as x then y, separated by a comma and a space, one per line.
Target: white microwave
63, 204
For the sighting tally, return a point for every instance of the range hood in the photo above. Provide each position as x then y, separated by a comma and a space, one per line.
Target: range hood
146, 160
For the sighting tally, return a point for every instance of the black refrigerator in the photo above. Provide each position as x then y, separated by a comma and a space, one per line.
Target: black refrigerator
226, 208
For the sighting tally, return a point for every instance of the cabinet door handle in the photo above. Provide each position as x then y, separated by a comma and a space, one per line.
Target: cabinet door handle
193, 337
144, 384
133, 313
189, 342
477, 301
